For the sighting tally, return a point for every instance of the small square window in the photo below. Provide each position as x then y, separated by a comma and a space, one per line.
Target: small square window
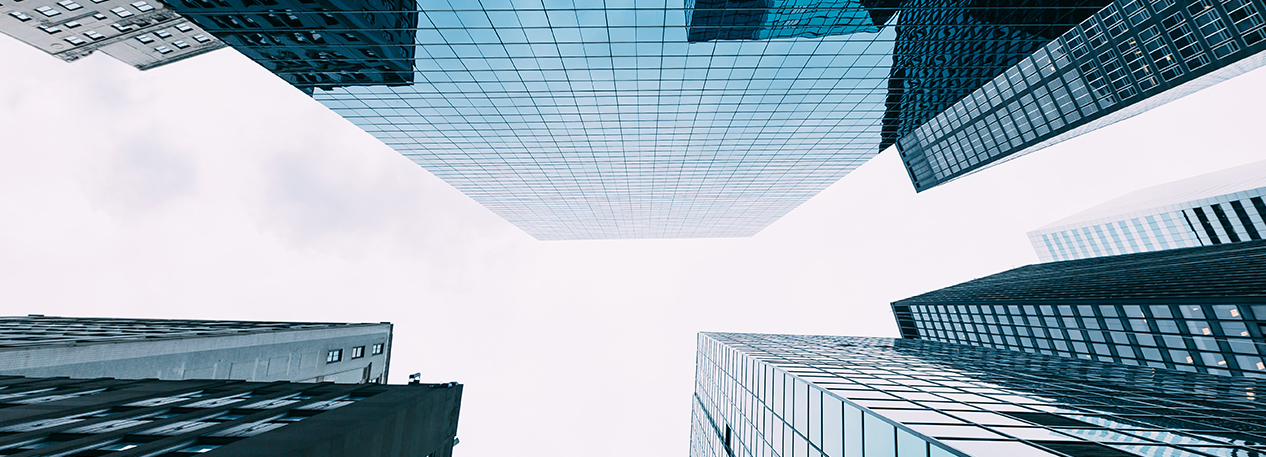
50, 30
358, 352
180, 44
201, 38
377, 349
99, 16
164, 50
144, 39
121, 12
335, 355
142, 6
70, 5
48, 11
20, 16
75, 40
184, 27
163, 33
71, 24
94, 35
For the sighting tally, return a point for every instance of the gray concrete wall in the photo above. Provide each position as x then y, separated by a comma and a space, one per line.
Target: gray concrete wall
288, 355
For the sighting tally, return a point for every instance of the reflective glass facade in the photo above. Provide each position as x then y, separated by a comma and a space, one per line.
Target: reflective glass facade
829, 396
1129, 57
709, 20
109, 417
316, 43
714, 118
1197, 309
1221, 207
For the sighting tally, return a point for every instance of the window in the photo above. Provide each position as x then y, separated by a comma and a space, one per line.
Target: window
358, 352
377, 349
335, 355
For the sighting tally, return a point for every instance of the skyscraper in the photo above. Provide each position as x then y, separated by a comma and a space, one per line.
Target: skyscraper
109, 417
317, 43
38, 345
1127, 58
144, 33
1215, 208
1195, 309
788, 395
637, 120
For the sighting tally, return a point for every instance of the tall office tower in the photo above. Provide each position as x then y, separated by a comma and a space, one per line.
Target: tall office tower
109, 417
144, 34
37, 345
1216, 208
1127, 58
317, 43
828, 396
947, 49
1195, 309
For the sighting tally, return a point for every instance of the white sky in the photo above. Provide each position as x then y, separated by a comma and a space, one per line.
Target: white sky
209, 189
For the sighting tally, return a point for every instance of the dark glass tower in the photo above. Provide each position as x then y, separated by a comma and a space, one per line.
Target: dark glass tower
317, 43
109, 417
828, 396
1196, 309
945, 50
709, 20
1129, 57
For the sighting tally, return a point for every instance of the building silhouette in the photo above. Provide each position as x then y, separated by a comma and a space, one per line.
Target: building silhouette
317, 43
111, 417
76, 347
1127, 58
791, 395
1195, 309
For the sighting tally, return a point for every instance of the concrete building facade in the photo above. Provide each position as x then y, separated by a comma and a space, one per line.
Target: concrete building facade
142, 33
191, 349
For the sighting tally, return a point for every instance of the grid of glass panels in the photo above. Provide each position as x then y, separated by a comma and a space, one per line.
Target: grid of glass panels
1196, 309
170, 420
1127, 52
579, 121
746, 406
1226, 219
986, 402
1215, 339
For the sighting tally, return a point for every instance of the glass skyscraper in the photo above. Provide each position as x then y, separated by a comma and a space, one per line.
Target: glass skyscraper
1196, 309
1215, 208
713, 118
1127, 58
828, 396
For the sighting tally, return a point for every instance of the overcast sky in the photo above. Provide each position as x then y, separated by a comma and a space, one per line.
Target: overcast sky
210, 189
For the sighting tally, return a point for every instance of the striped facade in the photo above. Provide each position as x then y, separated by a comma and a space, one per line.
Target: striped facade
1207, 215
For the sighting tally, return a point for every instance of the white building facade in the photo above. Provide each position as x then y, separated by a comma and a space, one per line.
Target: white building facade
141, 33
1216, 208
